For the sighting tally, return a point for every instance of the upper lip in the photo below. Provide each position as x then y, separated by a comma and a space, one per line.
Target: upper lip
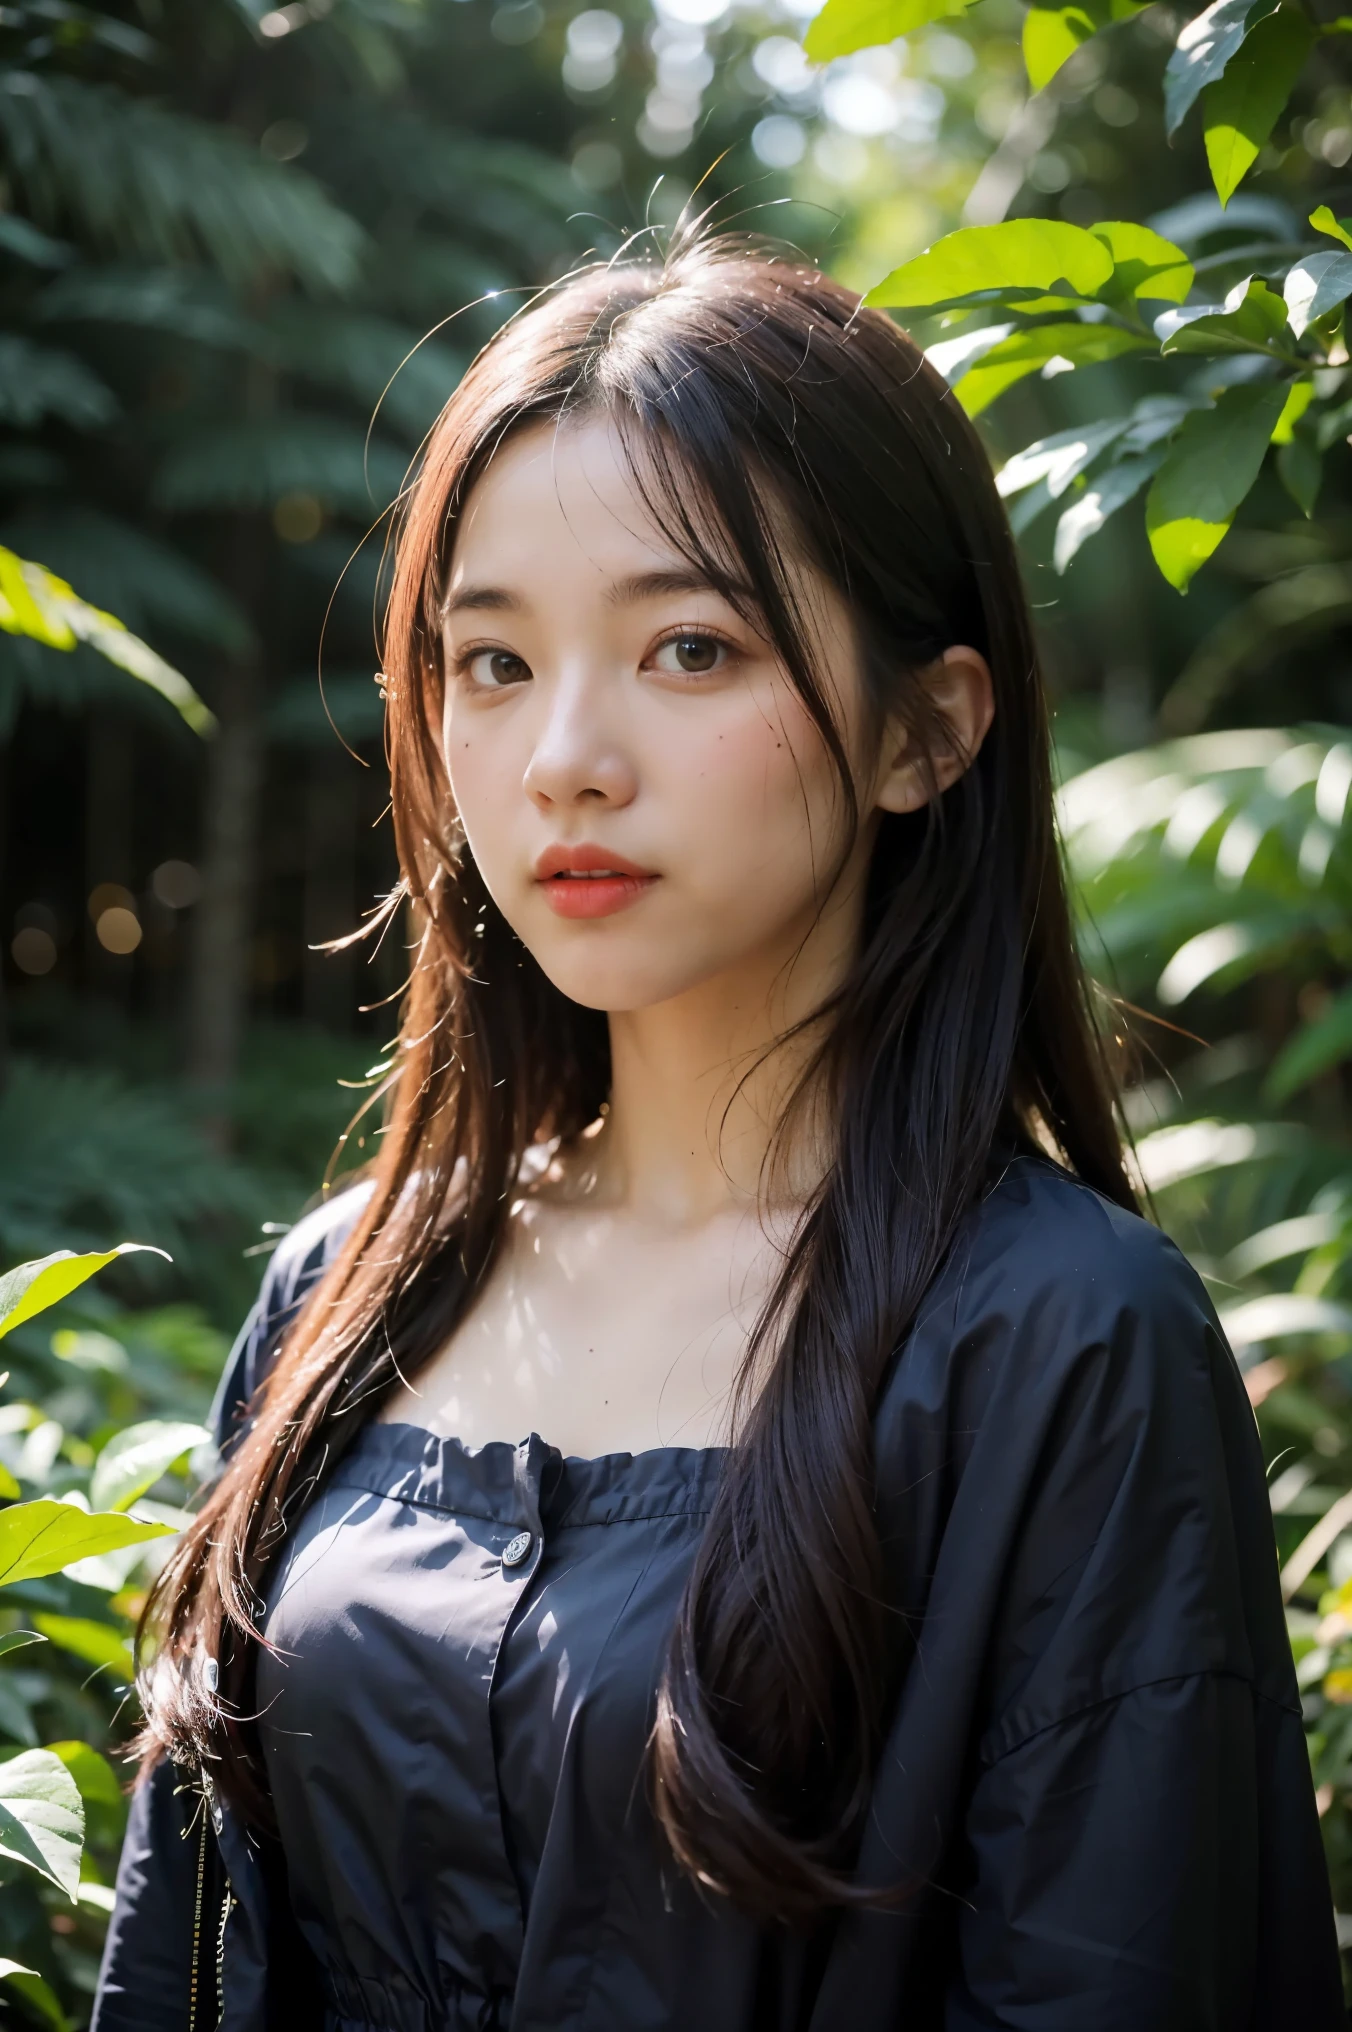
584, 860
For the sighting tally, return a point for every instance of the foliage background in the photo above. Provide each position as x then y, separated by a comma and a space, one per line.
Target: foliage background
244, 254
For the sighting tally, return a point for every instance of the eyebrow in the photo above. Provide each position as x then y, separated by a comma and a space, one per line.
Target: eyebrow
626, 592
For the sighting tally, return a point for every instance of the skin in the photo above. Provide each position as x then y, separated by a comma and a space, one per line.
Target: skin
594, 695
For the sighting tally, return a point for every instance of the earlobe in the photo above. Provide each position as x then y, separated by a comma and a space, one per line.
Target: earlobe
962, 694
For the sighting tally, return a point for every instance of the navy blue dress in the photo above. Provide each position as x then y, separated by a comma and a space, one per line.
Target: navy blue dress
1093, 1775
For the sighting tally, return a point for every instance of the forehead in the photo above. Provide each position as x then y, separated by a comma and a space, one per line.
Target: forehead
557, 496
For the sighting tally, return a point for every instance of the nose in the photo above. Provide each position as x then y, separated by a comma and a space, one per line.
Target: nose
579, 756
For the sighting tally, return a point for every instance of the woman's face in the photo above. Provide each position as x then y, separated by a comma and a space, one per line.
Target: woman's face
641, 787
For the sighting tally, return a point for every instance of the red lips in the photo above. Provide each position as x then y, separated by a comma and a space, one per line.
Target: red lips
590, 881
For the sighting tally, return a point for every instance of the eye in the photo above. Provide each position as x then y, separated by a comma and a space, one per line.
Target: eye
692, 653
494, 669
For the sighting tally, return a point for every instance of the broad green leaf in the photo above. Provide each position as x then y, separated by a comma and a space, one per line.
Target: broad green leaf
42, 1817
1316, 285
137, 1457
1058, 459
953, 357
43, 1537
1145, 263
1251, 319
1019, 254
35, 1990
1300, 468
1205, 46
9, 1484
1316, 1048
1299, 397
1103, 497
99, 1644
17, 1640
94, 1776
1324, 221
32, 1287
36, 603
1211, 466
1052, 34
1039, 348
846, 25
1241, 109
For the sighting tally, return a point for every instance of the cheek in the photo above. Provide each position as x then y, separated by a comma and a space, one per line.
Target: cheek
759, 803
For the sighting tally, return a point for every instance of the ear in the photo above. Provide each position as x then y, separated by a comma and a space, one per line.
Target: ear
962, 694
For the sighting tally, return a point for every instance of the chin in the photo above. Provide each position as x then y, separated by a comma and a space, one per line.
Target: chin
618, 984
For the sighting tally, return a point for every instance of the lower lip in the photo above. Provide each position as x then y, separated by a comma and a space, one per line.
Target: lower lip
594, 895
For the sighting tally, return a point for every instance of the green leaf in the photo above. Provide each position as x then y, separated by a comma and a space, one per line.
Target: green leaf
35, 1990
44, 1536
1018, 254
9, 1487
1103, 497
250, 465
42, 1817
1053, 34
134, 1459
1299, 397
1205, 46
32, 1287
157, 185
1058, 459
1241, 109
18, 1640
1316, 1048
94, 1776
1145, 264
97, 1644
1211, 466
846, 25
1300, 468
36, 603
954, 357
1039, 347
39, 381
1281, 1314
1315, 286
1251, 319
1324, 221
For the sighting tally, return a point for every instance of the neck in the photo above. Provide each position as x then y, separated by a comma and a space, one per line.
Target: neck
700, 1083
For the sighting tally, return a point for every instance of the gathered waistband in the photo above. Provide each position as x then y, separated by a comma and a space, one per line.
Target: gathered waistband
358, 2004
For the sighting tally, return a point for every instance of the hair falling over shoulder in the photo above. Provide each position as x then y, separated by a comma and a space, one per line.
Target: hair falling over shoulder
741, 383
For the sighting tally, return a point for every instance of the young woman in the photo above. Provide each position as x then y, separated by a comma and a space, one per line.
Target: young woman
877, 1624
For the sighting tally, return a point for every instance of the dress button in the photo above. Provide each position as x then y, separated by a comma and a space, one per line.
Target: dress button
516, 1549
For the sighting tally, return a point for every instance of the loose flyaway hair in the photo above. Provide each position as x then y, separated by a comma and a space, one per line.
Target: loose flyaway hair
767, 419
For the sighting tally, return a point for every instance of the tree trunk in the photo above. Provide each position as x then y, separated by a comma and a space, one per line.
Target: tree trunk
330, 889
218, 986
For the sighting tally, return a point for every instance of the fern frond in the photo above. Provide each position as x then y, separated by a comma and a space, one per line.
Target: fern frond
38, 381
88, 1155
251, 465
516, 199
369, 358
190, 303
141, 181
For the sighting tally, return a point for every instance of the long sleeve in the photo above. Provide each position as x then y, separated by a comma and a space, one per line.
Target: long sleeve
1122, 1859
147, 1961
1094, 1790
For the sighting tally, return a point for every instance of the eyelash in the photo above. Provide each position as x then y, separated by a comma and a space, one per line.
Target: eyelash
700, 633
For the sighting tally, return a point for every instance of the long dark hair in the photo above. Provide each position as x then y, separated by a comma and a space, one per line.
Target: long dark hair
749, 391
